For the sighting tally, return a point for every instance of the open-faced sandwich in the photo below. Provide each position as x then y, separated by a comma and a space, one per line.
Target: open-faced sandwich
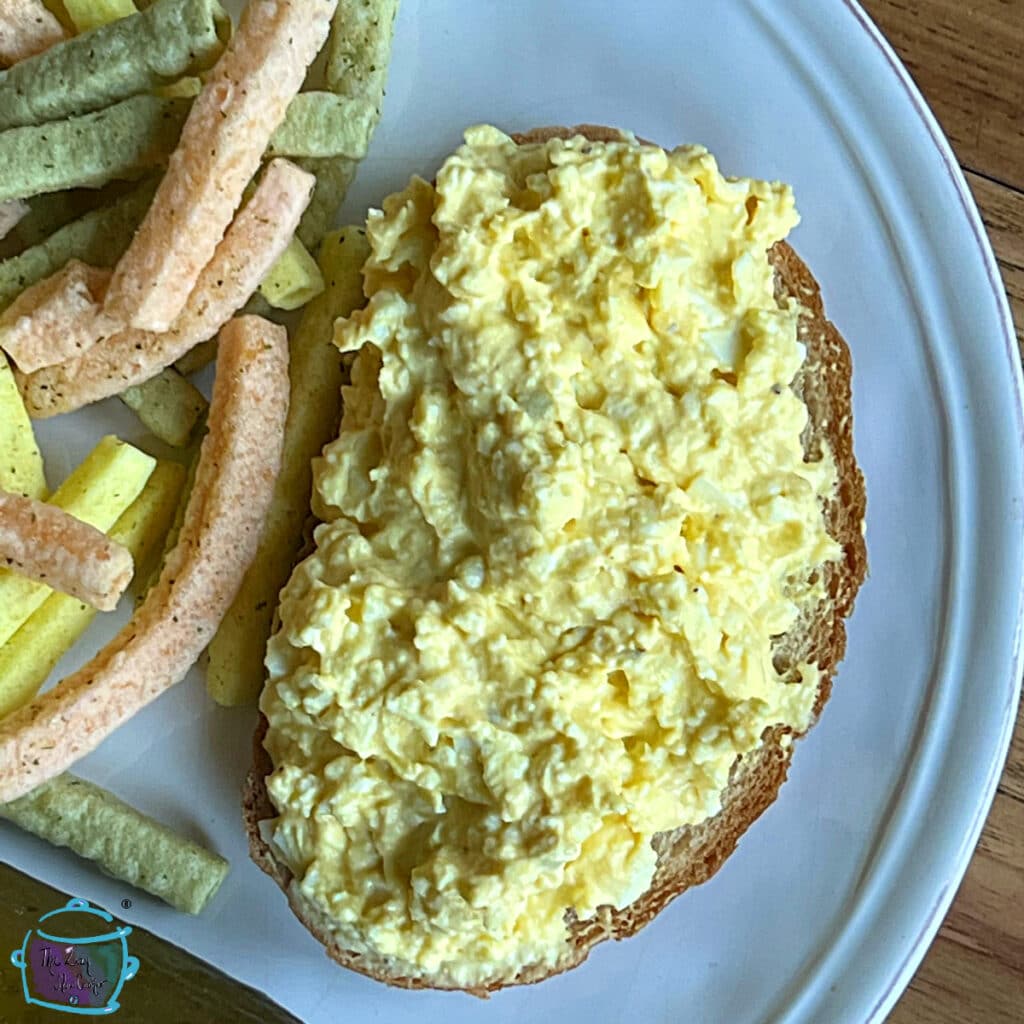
589, 533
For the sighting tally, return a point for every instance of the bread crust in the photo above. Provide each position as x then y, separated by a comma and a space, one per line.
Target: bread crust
689, 855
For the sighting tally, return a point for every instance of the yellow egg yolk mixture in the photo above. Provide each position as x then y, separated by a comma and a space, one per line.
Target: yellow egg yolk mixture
566, 514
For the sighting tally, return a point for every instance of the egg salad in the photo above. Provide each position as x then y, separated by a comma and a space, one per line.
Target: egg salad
566, 514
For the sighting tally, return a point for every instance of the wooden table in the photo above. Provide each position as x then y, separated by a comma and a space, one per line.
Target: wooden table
967, 56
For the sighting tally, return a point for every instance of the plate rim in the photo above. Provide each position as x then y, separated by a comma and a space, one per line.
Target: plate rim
919, 942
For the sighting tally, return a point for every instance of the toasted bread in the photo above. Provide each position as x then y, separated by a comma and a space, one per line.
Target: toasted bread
690, 855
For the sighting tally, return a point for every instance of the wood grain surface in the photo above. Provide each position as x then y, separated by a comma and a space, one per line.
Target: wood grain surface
968, 58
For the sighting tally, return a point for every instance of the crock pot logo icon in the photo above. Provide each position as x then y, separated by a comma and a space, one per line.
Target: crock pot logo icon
75, 960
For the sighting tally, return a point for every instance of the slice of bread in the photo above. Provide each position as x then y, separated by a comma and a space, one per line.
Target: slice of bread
689, 855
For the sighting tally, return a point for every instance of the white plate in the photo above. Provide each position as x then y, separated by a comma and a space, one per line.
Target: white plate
832, 898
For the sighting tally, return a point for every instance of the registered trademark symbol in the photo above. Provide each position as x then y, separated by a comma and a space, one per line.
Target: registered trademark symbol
126, 904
